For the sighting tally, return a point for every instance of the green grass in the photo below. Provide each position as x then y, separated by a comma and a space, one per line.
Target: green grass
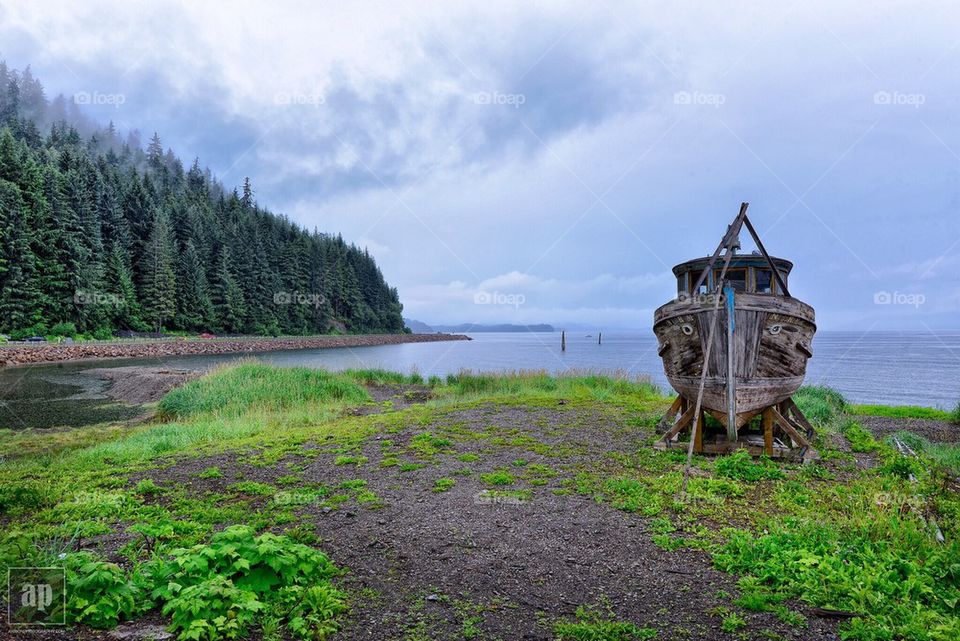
820, 404
235, 389
840, 535
902, 411
946, 455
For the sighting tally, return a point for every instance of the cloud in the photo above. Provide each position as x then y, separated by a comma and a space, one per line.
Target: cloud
542, 150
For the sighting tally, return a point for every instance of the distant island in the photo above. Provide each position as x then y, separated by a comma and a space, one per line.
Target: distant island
419, 327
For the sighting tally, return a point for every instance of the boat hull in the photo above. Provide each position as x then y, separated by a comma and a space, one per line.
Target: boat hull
771, 344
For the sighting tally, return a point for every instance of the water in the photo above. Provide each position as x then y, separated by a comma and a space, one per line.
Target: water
891, 368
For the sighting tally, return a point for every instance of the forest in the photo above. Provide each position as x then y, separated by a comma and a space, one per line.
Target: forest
100, 235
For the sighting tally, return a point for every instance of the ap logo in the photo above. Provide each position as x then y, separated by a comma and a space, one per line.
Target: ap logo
36, 597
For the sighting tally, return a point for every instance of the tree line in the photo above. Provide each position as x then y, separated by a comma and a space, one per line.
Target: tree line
99, 232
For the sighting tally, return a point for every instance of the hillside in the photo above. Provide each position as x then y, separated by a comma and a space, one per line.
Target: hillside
104, 235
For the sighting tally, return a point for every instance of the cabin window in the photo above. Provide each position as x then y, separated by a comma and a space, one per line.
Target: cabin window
737, 278
704, 288
763, 283
681, 284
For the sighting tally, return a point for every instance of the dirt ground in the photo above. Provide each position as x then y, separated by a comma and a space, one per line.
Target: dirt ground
138, 385
430, 563
936, 431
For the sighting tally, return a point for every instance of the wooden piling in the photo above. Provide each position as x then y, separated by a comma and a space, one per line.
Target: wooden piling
600, 338
563, 341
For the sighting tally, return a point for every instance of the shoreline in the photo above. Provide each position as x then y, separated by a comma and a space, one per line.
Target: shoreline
19, 355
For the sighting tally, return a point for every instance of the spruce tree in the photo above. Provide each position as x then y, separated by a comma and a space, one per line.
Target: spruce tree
159, 287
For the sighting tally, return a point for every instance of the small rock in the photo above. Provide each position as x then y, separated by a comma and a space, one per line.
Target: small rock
351, 513
327, 509
432, 597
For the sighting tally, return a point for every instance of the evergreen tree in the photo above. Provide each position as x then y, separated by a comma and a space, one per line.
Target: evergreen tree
97, 231
159, 280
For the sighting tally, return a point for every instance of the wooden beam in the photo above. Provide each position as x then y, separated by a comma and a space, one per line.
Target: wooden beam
799, 416
768, 432
681, 423
698, 436
776, 272
671, 414
787, 426
732, 232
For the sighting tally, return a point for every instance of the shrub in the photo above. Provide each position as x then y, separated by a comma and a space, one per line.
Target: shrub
219, 590
99, 593
889, 569
63, 329
955, 415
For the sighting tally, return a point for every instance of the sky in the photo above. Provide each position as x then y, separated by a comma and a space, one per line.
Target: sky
550, 162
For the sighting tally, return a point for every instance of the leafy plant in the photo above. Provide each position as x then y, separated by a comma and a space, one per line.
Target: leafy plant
741, 466
218, 590
99, 593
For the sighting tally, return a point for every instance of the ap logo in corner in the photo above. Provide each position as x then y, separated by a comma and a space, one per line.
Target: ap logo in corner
36, 597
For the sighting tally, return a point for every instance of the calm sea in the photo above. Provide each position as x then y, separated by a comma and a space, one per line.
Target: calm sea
893, 368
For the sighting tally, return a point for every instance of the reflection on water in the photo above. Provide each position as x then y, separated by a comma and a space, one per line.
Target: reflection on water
896, 368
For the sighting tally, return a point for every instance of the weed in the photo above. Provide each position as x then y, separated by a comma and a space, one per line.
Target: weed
741, 466
499, 477
444, 484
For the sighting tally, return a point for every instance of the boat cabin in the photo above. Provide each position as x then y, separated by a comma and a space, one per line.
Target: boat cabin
748, 273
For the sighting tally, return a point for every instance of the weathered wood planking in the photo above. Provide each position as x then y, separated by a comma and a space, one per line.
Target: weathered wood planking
771, 347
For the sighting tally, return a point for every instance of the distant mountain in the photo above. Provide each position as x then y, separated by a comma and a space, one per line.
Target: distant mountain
418, 327
506, 327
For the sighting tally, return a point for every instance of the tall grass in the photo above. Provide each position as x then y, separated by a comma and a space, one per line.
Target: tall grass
539, 382
234, 389
820, 405
901, 411
946, 455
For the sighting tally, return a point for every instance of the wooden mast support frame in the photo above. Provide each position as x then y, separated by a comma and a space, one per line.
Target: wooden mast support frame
784, 431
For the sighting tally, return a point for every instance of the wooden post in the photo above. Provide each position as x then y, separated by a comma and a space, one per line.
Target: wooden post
600, 338
698, 437
731, 368
768, 432
563, 341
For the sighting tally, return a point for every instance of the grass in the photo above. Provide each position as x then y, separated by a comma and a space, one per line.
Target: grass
235, 389
833, 535
905, 411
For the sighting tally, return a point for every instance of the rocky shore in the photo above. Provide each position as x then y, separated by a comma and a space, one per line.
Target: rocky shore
23, 354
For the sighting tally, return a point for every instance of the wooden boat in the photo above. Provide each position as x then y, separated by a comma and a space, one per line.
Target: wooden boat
762, 336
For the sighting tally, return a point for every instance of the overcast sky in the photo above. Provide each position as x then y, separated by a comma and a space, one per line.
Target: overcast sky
521, 162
